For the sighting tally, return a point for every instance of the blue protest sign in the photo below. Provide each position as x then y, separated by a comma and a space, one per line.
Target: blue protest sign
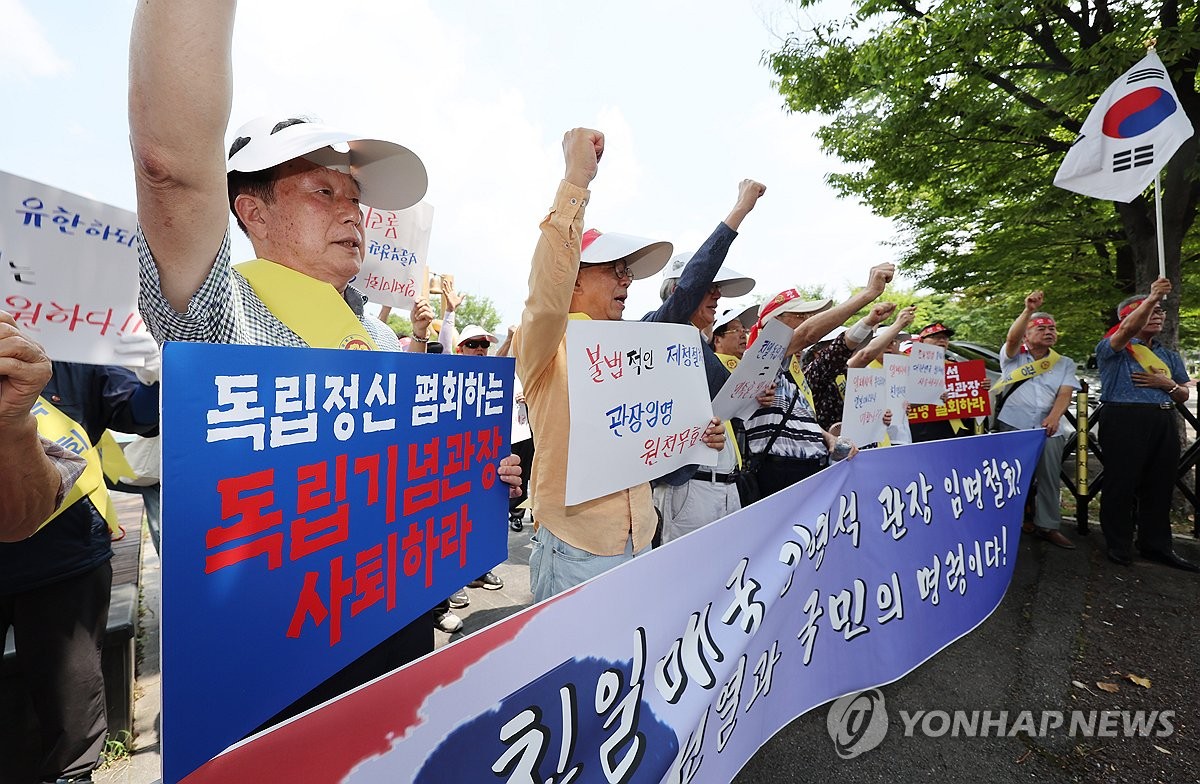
314, 503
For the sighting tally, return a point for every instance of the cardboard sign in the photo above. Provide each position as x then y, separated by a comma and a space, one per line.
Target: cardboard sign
315, 502
738, 397
68, 271
849, 579
966, 396
393, 270
639, 404
866, 401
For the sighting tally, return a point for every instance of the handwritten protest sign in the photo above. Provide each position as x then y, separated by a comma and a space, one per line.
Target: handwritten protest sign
862, 410
926, 374
756, 372
68, 271
847, 580
965, 396
393, 270
316, 502
895, 370
639, 404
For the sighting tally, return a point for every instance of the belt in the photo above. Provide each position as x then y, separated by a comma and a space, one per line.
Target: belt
816, 461
709, 475
1165, 406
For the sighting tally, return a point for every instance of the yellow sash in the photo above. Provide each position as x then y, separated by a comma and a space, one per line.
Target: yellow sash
737, 450
729, 361
1028, 370
1149, 361
798, 376
311, 308
56, 426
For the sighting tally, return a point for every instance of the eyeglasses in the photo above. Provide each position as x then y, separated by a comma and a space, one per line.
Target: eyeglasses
474, 344
1160, 311
622, 271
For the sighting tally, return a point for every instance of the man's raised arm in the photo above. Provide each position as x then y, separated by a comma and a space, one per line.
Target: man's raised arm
180, 91
816, 327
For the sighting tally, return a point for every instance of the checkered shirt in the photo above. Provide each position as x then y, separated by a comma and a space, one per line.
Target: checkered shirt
225, 309
69, 465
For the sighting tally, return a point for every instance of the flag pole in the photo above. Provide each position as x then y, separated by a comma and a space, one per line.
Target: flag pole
1158, 226
1158, 219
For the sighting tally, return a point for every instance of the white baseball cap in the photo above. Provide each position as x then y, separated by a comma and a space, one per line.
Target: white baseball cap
473, 331
391, 176
728, 313
731, 282
644, 257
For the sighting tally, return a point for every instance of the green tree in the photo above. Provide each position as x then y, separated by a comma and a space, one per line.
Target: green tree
399, 324
478, 310
955, 116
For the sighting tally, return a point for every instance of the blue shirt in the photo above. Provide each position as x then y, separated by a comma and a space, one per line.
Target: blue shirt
694, 283
1117, 367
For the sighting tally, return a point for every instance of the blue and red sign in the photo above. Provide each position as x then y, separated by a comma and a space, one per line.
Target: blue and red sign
315, 502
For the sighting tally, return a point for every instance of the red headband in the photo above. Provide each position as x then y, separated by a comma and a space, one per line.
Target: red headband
776, 302
1122, 313
1042, 321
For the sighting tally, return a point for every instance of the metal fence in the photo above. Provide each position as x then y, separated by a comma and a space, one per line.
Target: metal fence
1083, 461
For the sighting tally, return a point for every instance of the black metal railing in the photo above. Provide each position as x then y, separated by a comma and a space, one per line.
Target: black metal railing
1083, 460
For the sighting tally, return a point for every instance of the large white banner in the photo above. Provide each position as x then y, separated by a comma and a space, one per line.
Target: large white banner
845, 581
738, 397
639, 404
926, 374
394, 265
68, 270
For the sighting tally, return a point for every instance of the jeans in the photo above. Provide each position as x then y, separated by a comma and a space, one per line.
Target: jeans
555, 566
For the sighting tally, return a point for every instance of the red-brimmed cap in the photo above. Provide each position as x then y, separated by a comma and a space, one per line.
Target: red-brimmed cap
644, 257
936, 328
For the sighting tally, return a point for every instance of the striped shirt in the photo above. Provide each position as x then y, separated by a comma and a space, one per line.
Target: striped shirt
801, 436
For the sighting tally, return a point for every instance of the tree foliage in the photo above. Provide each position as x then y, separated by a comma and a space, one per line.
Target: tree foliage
955, 116
478, 310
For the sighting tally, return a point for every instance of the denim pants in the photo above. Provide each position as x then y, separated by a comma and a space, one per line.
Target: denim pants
555, 566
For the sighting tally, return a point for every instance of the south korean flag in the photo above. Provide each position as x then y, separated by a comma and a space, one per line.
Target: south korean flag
1130, 134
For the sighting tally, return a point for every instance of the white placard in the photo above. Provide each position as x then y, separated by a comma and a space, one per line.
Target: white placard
639, 404
68, 271
926, 374
393, 269
756, 371
862, 410
895, 370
